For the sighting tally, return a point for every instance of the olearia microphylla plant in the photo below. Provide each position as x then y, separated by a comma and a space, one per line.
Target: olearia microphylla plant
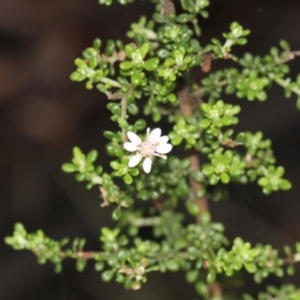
152, 77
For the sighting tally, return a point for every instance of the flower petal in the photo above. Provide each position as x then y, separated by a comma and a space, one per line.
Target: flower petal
135, 139
147, 164
134, 160
154, 135
163, 149
130, 146
163, 140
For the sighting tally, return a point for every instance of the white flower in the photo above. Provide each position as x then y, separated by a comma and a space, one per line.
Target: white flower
154, 145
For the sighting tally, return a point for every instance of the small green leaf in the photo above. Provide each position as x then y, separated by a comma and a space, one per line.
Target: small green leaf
125, 65
57, 268
192, 208
76, 76
136, 78
117, 213
183, 18
250, 267
241, 137
97, 43
284, 45
211, 276
68, 168
159, 18
92, 156
172, 265
206, 108
208, 170
77, 153
225, 178
290, 270
285, 185
191, 276
134, 171
151, 64
163, 53
80, 264
172, 97
99, 265
263, 181
205, 123
133, 109
109, 134
107, 275
140, 124
128, 178
115, 165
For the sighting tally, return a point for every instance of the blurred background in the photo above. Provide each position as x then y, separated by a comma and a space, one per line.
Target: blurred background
43, 115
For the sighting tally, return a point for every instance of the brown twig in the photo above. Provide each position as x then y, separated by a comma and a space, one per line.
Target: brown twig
186, 109
123, 115
84, 254
167, 8
123, 97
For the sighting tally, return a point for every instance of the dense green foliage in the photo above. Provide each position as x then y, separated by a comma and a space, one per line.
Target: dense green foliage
152, 77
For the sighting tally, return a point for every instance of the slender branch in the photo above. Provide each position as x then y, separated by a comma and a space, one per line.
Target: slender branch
187, 110
123, 115
285, 83
123, 97
85, 254
75, 255
141, 222
215, 290
116, 56
292, 259
290, 56
110, 82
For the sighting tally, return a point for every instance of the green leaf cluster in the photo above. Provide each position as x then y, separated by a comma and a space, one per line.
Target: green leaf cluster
156, 75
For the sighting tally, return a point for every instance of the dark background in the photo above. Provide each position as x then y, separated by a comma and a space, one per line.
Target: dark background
43, 115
